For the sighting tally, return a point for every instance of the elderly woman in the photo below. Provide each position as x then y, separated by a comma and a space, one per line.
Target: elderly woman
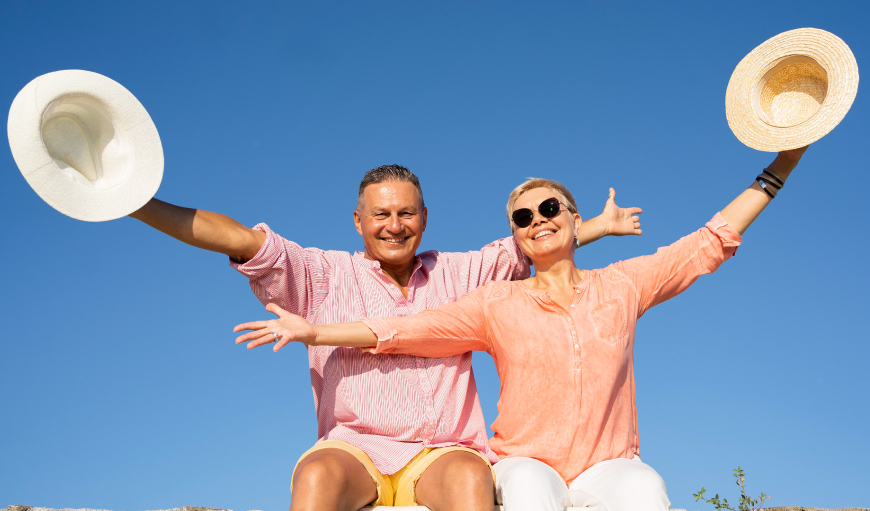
563, 343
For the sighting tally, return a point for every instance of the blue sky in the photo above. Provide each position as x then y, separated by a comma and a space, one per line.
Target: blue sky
122, 387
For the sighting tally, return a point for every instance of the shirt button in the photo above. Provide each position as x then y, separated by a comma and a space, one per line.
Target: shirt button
572, 305
576, 345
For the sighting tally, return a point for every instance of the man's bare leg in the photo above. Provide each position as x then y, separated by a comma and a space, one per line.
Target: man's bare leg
457, 481
331, 480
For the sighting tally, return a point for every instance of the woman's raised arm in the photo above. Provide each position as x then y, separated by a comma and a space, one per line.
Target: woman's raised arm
748, 205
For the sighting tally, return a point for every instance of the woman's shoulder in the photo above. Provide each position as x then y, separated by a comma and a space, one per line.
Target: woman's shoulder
610, 274
500, 288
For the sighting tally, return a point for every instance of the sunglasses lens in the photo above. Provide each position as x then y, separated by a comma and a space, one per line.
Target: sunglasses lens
522, 217
550, 208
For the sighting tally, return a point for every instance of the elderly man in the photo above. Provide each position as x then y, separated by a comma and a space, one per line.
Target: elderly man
394, 429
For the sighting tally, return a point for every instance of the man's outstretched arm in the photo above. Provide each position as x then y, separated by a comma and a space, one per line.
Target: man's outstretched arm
202, 229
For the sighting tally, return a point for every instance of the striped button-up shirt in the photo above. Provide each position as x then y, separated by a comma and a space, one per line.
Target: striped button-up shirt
390, 406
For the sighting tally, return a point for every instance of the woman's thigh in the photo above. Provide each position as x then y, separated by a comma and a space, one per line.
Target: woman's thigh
526, 484
623, 485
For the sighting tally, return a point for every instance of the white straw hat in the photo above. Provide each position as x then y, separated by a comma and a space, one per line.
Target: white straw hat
85, 144
791, 90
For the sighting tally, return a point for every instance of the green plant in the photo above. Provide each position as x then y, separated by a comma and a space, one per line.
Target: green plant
746, 502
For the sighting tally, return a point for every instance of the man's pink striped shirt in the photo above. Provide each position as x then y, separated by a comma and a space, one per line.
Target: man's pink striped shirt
390, 406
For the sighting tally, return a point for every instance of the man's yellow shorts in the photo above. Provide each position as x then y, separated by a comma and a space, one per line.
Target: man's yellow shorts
394, 489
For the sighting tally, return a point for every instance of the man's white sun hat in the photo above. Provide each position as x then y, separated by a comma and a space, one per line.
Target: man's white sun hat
85, 145
791, 90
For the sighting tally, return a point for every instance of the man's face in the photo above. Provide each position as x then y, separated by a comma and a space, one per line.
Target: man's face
391, 221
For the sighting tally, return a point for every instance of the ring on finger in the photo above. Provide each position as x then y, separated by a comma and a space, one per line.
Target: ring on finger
277, 337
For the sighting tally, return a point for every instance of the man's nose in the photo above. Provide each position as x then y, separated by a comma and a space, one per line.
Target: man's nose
394, 224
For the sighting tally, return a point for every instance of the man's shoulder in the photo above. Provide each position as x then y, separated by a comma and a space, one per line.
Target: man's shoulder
502, 244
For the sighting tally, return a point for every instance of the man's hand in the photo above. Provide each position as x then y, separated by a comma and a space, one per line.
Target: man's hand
288, 327
620, 221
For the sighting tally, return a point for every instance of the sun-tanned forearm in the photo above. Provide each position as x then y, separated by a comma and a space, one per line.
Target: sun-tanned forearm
354, 335
202, 229
746, 207
592, 230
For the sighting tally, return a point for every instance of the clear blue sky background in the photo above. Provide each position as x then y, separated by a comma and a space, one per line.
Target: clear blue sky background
121, 385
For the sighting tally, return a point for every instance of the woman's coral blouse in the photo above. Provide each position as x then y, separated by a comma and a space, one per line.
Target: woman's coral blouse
567, 375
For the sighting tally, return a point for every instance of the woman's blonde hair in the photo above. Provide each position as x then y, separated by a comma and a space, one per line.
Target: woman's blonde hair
536, 182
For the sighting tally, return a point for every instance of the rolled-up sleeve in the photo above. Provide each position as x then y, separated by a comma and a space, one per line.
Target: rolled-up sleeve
672, 269
282, 272
451, 329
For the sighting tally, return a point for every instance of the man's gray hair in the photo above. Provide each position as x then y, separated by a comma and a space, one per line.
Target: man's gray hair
388, 173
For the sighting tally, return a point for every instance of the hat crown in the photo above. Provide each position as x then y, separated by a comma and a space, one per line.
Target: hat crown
68, 142
87, 146
791, 92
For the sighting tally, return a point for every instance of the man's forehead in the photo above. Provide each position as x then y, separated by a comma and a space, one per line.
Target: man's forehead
391, 194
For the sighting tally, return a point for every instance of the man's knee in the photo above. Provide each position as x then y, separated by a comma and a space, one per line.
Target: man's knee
466, 466
460, 471
456, 480
321, 470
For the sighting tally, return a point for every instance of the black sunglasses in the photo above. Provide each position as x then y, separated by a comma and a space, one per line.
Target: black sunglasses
550, 208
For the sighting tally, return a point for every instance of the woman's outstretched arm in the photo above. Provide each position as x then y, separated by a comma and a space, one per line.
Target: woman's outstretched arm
748, 205
454, 328
289, 327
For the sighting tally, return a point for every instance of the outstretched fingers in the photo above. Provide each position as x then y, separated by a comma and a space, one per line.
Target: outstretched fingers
288, 327
257, 337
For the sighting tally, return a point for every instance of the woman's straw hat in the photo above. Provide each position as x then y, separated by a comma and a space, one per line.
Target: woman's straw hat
791, 90
85, 144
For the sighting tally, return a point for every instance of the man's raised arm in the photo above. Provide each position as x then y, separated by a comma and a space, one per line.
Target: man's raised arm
202, 229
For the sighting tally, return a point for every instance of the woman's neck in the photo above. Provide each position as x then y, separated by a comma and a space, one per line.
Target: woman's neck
559, 275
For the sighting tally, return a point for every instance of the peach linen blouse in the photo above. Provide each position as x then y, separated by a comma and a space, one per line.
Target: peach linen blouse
567, 376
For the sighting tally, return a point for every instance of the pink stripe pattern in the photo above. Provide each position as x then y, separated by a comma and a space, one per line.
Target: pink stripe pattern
390, 406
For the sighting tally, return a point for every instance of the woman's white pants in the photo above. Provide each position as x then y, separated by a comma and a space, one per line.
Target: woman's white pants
526, 484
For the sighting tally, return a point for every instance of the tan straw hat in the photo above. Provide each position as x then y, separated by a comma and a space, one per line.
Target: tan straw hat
791, 90
85, 145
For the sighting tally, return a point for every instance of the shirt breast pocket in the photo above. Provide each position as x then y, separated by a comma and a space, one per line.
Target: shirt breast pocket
608, 320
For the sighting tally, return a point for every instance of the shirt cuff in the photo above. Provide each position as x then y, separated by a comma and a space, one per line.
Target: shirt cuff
265, 258
387, 336
723, 230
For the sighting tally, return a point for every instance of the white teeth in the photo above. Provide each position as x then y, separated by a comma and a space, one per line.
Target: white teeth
389, 240
542, 233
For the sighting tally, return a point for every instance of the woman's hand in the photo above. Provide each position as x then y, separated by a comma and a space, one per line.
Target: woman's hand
620, 221
288, 327
786, 161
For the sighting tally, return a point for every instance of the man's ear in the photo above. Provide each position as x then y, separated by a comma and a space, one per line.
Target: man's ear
425, 217
356, 221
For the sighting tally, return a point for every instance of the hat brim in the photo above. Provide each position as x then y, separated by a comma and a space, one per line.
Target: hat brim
132, 149
741, 105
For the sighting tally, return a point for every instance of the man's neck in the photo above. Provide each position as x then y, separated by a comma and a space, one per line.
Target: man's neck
399, 274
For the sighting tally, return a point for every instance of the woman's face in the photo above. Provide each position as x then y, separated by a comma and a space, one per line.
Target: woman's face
546, 239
